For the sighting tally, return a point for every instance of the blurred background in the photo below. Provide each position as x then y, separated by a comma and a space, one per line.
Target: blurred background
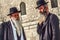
29, 15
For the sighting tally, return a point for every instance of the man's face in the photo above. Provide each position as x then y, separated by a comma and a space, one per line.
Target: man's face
43, 9
15, 16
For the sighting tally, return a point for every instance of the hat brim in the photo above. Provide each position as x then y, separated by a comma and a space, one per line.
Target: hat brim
13, 13
41, 4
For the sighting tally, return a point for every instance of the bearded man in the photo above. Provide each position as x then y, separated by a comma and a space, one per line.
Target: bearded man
12, 30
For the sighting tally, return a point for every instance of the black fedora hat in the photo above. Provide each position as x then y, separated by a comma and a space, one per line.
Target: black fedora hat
13, 10
40, 2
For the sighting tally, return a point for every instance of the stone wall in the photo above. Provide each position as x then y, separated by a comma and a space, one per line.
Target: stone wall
30, 20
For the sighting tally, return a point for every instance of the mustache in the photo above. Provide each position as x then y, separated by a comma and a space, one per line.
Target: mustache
44, 12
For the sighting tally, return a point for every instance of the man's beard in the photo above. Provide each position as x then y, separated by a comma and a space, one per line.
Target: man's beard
44, 12
17, 22
18, 25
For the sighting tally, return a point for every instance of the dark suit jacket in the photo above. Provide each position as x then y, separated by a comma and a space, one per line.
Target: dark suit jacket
6, 32
49, 30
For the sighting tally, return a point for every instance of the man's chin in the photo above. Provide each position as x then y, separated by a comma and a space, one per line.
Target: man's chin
17, 19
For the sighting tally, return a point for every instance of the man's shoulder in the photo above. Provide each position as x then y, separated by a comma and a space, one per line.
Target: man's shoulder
52, 14
5, 23
53, 17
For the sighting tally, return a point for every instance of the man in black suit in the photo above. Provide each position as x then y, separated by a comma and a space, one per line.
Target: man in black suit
12, 30
48, 29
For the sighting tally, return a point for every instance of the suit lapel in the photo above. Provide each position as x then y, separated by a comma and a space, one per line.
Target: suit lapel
46, 22
10, 31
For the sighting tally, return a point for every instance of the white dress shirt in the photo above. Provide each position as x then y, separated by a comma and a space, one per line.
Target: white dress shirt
14, 32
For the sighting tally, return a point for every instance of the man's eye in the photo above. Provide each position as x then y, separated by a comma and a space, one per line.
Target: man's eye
41, 8
15, 15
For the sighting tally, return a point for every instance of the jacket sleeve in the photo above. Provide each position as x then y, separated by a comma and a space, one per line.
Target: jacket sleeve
1, 32
55, 27
39, 28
